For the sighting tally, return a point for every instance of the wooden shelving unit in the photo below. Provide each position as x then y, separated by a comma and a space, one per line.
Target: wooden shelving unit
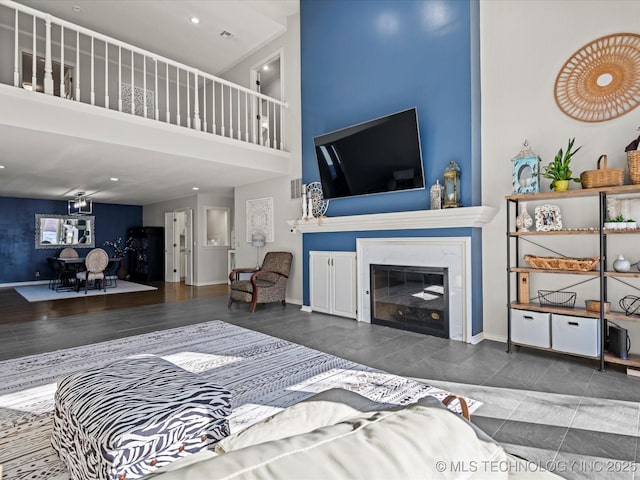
633, 362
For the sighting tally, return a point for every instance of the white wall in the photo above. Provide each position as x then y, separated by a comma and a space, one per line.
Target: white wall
523, 46
285, 208
209, 263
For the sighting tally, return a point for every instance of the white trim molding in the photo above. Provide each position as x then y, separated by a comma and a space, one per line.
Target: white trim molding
418, 219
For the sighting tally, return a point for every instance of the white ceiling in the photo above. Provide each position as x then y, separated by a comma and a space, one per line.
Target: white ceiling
42, 164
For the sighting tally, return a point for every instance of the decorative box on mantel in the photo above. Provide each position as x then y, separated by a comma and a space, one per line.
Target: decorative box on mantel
419, 219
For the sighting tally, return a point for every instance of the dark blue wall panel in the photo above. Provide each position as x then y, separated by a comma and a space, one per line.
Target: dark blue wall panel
362, 59
19, 259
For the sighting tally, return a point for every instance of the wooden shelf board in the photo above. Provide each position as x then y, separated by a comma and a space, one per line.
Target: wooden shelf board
623, 274
593, 273
584, 192
632, 361
555, 232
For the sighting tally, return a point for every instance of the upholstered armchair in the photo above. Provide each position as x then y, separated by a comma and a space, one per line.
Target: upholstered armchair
266, 285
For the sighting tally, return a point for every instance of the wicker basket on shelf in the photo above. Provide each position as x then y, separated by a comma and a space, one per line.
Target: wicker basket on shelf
562, 263
602, 177
633, 158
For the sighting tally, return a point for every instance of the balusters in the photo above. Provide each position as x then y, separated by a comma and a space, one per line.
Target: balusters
166, 76
222, 109
213, 106
246, 116
48, 68
133, 102
239, 128
188, 100
106, 74
77, 70
16, 54
204, 102
254, 117
63, 93
93, 90
157, 98
177, 96
281, 146
144, 85
119, 78
196, 103
34, 55
261, 118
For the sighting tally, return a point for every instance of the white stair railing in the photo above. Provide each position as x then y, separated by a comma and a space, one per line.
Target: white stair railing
93, 68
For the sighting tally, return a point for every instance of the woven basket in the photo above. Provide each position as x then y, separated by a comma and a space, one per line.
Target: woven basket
602, 177
561, 263
633, 158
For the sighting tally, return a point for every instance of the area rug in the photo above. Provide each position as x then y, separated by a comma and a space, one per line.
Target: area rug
265, 374
41, 293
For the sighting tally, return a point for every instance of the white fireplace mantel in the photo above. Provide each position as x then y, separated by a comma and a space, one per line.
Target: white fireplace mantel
419, 219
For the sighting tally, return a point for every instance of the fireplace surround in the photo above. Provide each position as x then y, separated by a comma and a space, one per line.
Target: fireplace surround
451, 253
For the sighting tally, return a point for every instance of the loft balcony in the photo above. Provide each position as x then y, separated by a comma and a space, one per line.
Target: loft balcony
60, 81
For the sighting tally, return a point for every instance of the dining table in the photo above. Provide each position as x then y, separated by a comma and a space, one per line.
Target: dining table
76, 264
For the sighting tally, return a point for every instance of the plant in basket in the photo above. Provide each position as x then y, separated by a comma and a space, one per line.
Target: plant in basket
559, 170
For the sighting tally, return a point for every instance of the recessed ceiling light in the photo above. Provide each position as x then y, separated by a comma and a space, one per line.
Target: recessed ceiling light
114, 179
76, 8
1, 166
266, 67
195, 20
195, 188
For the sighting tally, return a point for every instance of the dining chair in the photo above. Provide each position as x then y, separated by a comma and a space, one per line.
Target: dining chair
60, 275
95, 262
69, 252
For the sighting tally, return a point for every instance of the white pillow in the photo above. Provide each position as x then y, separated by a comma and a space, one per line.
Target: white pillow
326, 408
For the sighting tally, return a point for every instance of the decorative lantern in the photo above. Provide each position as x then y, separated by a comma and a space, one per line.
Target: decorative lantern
526, 171
451, 185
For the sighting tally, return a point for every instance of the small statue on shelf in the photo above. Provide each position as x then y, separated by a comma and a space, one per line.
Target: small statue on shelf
524, 220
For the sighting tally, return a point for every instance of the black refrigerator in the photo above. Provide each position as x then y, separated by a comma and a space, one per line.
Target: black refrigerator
146, 257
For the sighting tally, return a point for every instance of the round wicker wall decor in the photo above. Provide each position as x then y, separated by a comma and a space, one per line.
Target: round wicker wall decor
601, 81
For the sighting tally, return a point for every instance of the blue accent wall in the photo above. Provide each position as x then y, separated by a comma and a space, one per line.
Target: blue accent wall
362, 59
20, 260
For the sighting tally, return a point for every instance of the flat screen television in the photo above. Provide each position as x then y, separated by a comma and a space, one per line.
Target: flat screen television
377, 156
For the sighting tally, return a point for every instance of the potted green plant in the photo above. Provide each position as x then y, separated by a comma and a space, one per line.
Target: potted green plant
559, 170
616, 223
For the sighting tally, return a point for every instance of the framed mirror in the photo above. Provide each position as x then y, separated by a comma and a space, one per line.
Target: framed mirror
56, 231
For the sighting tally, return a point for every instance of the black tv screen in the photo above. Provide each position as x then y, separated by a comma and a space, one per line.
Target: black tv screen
381, 155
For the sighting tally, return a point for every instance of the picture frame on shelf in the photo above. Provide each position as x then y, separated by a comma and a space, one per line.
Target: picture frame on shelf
548, 218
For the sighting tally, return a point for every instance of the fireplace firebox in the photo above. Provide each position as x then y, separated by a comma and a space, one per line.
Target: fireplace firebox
410, 298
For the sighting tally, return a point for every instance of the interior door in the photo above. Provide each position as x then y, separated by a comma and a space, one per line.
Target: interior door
189, 275
171, 251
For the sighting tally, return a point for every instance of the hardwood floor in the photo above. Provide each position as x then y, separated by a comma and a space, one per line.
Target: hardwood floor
15, 309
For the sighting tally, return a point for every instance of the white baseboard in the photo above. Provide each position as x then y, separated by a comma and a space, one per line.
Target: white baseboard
495, 338
477, 338
24, 284
215, 282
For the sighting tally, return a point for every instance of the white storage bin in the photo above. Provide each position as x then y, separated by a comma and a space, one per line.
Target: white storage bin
578, 335
530, 328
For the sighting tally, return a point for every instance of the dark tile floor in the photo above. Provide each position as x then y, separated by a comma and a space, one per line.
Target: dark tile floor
556, 410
